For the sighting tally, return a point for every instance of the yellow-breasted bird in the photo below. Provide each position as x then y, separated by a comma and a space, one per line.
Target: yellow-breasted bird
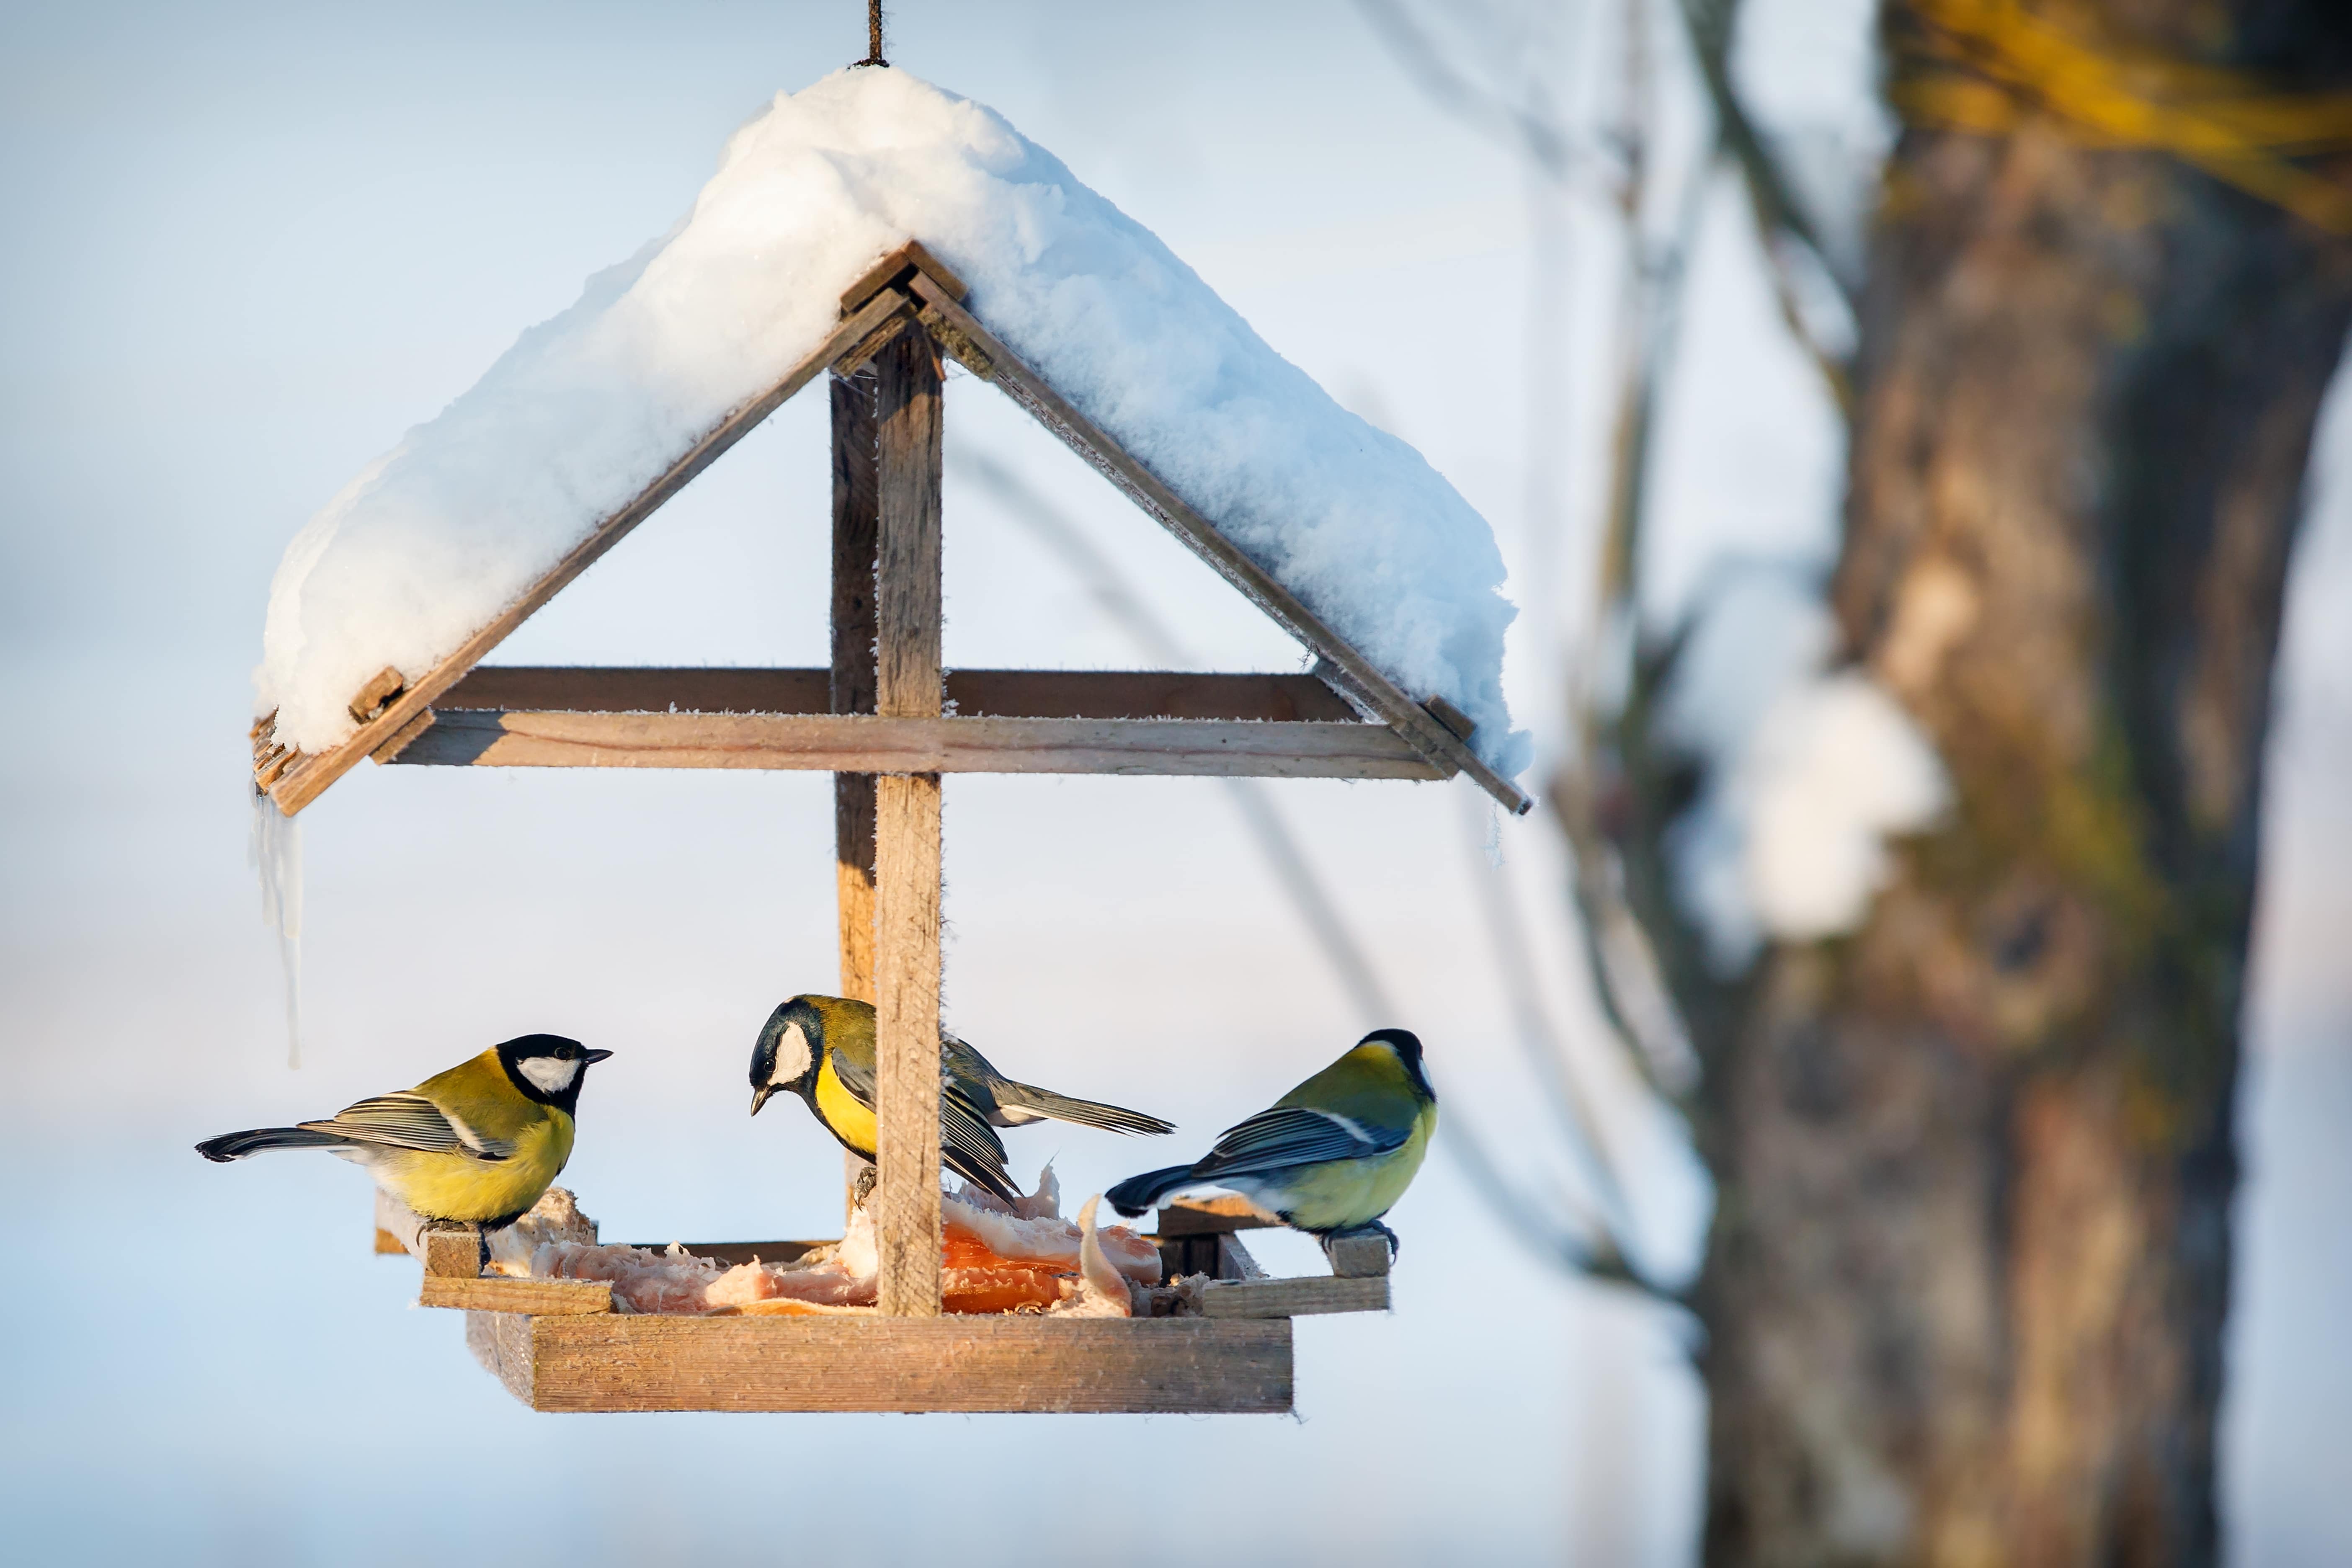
479, 1142
1334, 1154
822, 1048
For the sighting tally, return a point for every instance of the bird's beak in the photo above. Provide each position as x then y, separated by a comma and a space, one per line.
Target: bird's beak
760, 1097
592, 1057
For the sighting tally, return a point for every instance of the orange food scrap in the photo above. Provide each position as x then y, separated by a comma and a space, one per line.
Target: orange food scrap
975, 1280
1006, 1289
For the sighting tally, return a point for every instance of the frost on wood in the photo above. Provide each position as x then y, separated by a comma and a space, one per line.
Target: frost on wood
432, 539
1808, 771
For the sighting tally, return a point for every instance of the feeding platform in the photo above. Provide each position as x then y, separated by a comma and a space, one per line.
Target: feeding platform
560, 1345
1268, 459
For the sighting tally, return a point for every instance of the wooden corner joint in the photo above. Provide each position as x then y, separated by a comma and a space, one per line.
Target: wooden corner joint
402, 737
378, 694
1452, 718
898, 267
857, 358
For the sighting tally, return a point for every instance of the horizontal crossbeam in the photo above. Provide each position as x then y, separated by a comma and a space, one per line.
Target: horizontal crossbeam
870, 744
971, 693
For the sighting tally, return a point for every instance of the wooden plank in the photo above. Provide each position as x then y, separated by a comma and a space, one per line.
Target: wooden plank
376, 693
1144, 694
849, 681
387, 1244
450, 1250
999, 364
500, 1293
1301, 1297
1452, 718
897, 268
849, 689
1097, 1365
854, 742
971, 693
906, 685
308, 778
1364, 1256
589, 689
501, 1343
907, 672
1182, 1254
1210, 1215
398, 1223
1234, 1259
732, 1253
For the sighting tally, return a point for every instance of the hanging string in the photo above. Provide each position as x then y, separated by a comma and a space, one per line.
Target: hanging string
873, 35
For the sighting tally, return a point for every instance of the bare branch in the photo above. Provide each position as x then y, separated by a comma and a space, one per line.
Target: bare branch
1780, 217
1531, 129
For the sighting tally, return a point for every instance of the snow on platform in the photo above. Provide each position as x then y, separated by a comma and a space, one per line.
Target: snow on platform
432, 539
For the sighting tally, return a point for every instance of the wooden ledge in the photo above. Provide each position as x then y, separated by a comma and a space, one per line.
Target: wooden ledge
869, 744
969, 693
502, 1293
1304, 1297
1015, 1363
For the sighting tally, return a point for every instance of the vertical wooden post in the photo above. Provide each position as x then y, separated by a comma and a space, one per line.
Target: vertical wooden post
856, 466
855, 476
907, 829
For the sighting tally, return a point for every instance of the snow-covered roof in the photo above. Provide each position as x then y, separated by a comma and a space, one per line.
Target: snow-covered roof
433, 539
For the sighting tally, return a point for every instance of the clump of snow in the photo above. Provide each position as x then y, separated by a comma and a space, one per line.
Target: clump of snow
1809, 771
435, 537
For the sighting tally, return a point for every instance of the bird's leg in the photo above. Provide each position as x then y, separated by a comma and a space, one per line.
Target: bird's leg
863, 1186
481, 1250
1395, 1245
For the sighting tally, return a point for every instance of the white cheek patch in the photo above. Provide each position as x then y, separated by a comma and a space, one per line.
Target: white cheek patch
550, 1075
793, 1059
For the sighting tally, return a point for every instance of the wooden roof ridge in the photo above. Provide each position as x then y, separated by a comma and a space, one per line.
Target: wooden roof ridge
909, 286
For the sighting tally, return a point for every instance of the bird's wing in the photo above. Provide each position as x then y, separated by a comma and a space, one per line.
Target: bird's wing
410, 1122
965, 1131
968, 1145
1295, 1135
967, 1070
857, 1077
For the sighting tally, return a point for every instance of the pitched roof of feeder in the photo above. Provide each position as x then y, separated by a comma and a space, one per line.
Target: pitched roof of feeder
439, 547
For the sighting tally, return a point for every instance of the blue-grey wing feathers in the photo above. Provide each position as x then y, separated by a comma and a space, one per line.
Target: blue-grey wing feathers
1267, 1143
408, 1121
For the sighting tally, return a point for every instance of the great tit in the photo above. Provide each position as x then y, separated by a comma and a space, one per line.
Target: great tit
479, 1142
1334, 1154
822, 1048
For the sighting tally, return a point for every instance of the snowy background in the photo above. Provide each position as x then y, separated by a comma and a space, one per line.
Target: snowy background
248, 246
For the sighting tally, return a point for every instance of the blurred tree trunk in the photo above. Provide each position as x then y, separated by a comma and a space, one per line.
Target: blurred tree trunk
1965, 1288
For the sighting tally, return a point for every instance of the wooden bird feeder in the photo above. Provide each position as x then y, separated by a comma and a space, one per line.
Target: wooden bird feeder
886, 721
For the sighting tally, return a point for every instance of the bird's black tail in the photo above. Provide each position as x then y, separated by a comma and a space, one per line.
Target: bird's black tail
1136, 1194
237, 1145
1084, 1112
